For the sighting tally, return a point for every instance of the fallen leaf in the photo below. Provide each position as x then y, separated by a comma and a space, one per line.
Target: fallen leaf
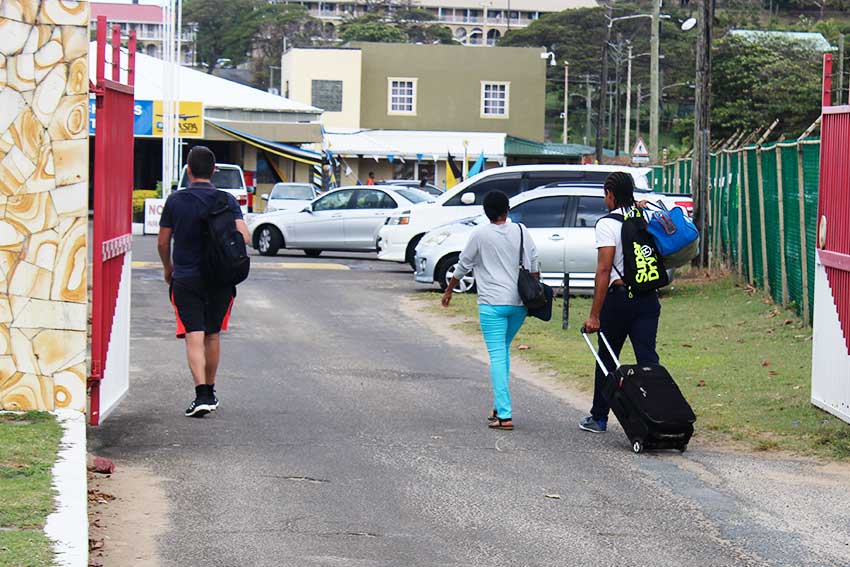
701, 384
686, 345
766, 363
553, 496
773, 373
523, 347
788, 322
797, 387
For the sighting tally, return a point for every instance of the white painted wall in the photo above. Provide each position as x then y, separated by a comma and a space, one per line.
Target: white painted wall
116, 373
830, 359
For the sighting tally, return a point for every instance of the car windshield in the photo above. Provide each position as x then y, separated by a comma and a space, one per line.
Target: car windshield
227, 179
221, 178
414, 195
292, 192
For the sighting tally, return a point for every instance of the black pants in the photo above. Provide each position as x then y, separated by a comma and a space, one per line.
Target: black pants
622, 317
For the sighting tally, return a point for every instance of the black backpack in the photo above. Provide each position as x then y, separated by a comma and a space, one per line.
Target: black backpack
226, 260
642, 263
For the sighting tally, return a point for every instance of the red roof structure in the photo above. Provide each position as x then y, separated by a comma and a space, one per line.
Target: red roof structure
147, 13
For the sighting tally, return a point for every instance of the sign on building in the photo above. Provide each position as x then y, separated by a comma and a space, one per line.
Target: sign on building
148, 118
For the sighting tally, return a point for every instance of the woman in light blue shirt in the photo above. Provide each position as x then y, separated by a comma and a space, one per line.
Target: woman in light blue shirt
493, 251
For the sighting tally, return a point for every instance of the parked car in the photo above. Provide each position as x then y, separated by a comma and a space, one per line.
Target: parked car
345, 219
414, 184
561, 221
290, 197
398, 239
226, 177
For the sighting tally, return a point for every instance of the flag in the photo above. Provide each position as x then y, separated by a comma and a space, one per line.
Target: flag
478, 167
331, 168
456, 172
451, 180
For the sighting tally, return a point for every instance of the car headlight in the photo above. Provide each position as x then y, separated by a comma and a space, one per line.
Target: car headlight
437, 239
403, 219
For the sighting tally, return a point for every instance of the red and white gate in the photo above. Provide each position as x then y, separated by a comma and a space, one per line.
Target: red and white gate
113, 212
831, 348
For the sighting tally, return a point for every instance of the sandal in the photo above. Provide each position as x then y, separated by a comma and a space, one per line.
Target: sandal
493, 416
499, 423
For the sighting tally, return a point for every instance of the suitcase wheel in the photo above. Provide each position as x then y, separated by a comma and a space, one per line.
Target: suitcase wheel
683, 447
637, 446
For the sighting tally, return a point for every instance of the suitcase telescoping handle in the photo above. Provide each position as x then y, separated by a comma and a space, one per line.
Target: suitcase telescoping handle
596, 355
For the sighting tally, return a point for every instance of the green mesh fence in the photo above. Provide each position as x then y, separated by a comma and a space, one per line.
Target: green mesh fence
746, 186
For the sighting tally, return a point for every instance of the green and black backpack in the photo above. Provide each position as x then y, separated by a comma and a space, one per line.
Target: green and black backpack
642, 263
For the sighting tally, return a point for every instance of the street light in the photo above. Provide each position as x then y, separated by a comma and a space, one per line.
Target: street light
656, 18
550, 56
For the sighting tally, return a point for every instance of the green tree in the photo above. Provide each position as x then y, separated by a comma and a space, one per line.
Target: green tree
225, 29
755, 82
371, 27
291, 22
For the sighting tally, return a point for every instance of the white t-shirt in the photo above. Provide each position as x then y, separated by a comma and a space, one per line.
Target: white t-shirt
609, 232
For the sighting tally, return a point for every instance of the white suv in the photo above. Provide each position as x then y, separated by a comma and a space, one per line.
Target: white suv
228, 178
398, 238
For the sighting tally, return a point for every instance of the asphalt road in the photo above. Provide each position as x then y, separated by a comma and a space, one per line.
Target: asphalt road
349, 435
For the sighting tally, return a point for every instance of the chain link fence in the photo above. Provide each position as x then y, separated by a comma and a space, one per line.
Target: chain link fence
762, 215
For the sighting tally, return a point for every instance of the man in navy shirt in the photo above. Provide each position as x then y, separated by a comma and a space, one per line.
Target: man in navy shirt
202, 308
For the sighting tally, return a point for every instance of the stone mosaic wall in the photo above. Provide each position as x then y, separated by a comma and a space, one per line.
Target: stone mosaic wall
44, 162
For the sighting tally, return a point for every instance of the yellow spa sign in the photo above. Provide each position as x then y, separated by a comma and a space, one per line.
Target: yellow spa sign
190, 119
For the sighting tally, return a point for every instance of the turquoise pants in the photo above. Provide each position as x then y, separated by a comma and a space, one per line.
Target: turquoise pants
500, 324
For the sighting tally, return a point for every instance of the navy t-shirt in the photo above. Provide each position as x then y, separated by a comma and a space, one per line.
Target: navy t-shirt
182, 213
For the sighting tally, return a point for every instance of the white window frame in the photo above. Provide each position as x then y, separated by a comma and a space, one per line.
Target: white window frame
390, 110
506, 115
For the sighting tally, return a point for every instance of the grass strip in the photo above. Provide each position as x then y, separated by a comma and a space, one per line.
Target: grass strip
29, 443
743, 363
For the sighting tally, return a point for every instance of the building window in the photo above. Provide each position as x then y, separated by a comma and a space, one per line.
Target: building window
495, 98
401, 96
327, 95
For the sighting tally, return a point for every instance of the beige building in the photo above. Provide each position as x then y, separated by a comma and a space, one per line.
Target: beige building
421, 87
473, 22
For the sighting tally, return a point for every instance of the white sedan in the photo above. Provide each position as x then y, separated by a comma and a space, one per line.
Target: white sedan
561, 221
289, 197
346, 219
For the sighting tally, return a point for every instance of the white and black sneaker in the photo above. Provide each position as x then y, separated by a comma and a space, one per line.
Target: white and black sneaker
213, 403
199, 408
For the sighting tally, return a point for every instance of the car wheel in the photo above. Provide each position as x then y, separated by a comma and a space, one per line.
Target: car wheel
268, 240
444, 273
410, 255
313, 253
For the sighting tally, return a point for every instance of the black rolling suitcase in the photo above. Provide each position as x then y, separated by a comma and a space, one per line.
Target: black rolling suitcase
647, 403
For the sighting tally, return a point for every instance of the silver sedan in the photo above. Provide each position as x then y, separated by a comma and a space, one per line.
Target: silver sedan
346, 219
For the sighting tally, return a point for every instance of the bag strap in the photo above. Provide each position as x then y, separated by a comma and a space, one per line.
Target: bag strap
620, 218
521, 247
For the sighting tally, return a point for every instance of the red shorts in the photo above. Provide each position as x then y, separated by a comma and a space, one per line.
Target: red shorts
199, 307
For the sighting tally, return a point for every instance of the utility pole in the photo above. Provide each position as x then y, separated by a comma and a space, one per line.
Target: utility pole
566, 99
637, 115
603, 87
654, 86
628, 103
702, 123
608, 132
618, 62
588, 106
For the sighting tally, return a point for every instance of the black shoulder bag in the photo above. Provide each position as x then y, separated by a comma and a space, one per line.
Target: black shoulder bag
535, 295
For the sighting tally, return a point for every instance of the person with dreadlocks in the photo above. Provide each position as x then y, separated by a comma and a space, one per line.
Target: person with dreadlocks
616, 312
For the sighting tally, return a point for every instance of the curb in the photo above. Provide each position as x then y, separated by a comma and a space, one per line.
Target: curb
68, 525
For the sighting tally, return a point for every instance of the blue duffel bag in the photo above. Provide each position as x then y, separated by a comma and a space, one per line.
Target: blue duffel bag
675, 234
